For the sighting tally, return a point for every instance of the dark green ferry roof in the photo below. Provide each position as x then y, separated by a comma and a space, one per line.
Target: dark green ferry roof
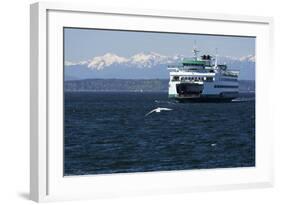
192, 62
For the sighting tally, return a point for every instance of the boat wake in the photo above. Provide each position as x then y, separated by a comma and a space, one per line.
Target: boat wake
165, 102
243, 100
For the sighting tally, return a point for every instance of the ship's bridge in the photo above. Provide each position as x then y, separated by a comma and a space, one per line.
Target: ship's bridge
202, 64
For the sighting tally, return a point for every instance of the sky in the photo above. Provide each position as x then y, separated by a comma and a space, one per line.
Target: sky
84, 44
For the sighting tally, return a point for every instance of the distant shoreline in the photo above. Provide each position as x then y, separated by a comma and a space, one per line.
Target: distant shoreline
134, 85
136, 79
129, 91
113, 91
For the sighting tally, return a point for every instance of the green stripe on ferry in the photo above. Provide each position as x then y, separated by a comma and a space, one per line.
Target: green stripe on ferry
193, 62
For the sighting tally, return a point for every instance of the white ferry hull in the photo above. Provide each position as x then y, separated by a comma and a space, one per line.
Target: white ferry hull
216, 91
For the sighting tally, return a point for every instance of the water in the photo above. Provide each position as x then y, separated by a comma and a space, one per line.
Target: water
108, 132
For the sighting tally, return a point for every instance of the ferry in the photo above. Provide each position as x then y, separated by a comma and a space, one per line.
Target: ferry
202, 79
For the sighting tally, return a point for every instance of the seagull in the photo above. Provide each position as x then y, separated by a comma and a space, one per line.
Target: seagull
159, 109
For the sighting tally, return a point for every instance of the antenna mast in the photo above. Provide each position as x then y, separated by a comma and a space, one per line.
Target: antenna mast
195, 51
216, 60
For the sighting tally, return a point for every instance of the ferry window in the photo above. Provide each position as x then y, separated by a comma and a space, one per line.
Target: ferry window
175, 78
204, 78
209, 79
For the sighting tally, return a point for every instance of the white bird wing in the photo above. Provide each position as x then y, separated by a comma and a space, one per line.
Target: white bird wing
165, 108
150, 112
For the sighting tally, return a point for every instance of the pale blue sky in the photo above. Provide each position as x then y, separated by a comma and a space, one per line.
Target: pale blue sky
84, 44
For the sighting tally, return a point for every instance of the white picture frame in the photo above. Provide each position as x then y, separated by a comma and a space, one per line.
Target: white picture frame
47, 182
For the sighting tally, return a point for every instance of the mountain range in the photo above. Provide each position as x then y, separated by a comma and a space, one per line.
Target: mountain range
150, 65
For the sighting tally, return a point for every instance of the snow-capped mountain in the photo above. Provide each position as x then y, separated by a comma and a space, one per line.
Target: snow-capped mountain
149, 60
139, 60
144, 65
101, 62
249, 58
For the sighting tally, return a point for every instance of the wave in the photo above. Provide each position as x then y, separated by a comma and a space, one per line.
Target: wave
243, 100
165, 102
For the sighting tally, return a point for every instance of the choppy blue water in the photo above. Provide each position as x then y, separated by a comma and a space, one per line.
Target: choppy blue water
107, 132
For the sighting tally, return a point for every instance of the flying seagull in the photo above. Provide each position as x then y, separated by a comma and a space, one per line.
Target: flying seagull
159, 109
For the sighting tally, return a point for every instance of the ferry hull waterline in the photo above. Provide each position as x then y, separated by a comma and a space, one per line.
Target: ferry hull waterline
202, 80
207, 98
